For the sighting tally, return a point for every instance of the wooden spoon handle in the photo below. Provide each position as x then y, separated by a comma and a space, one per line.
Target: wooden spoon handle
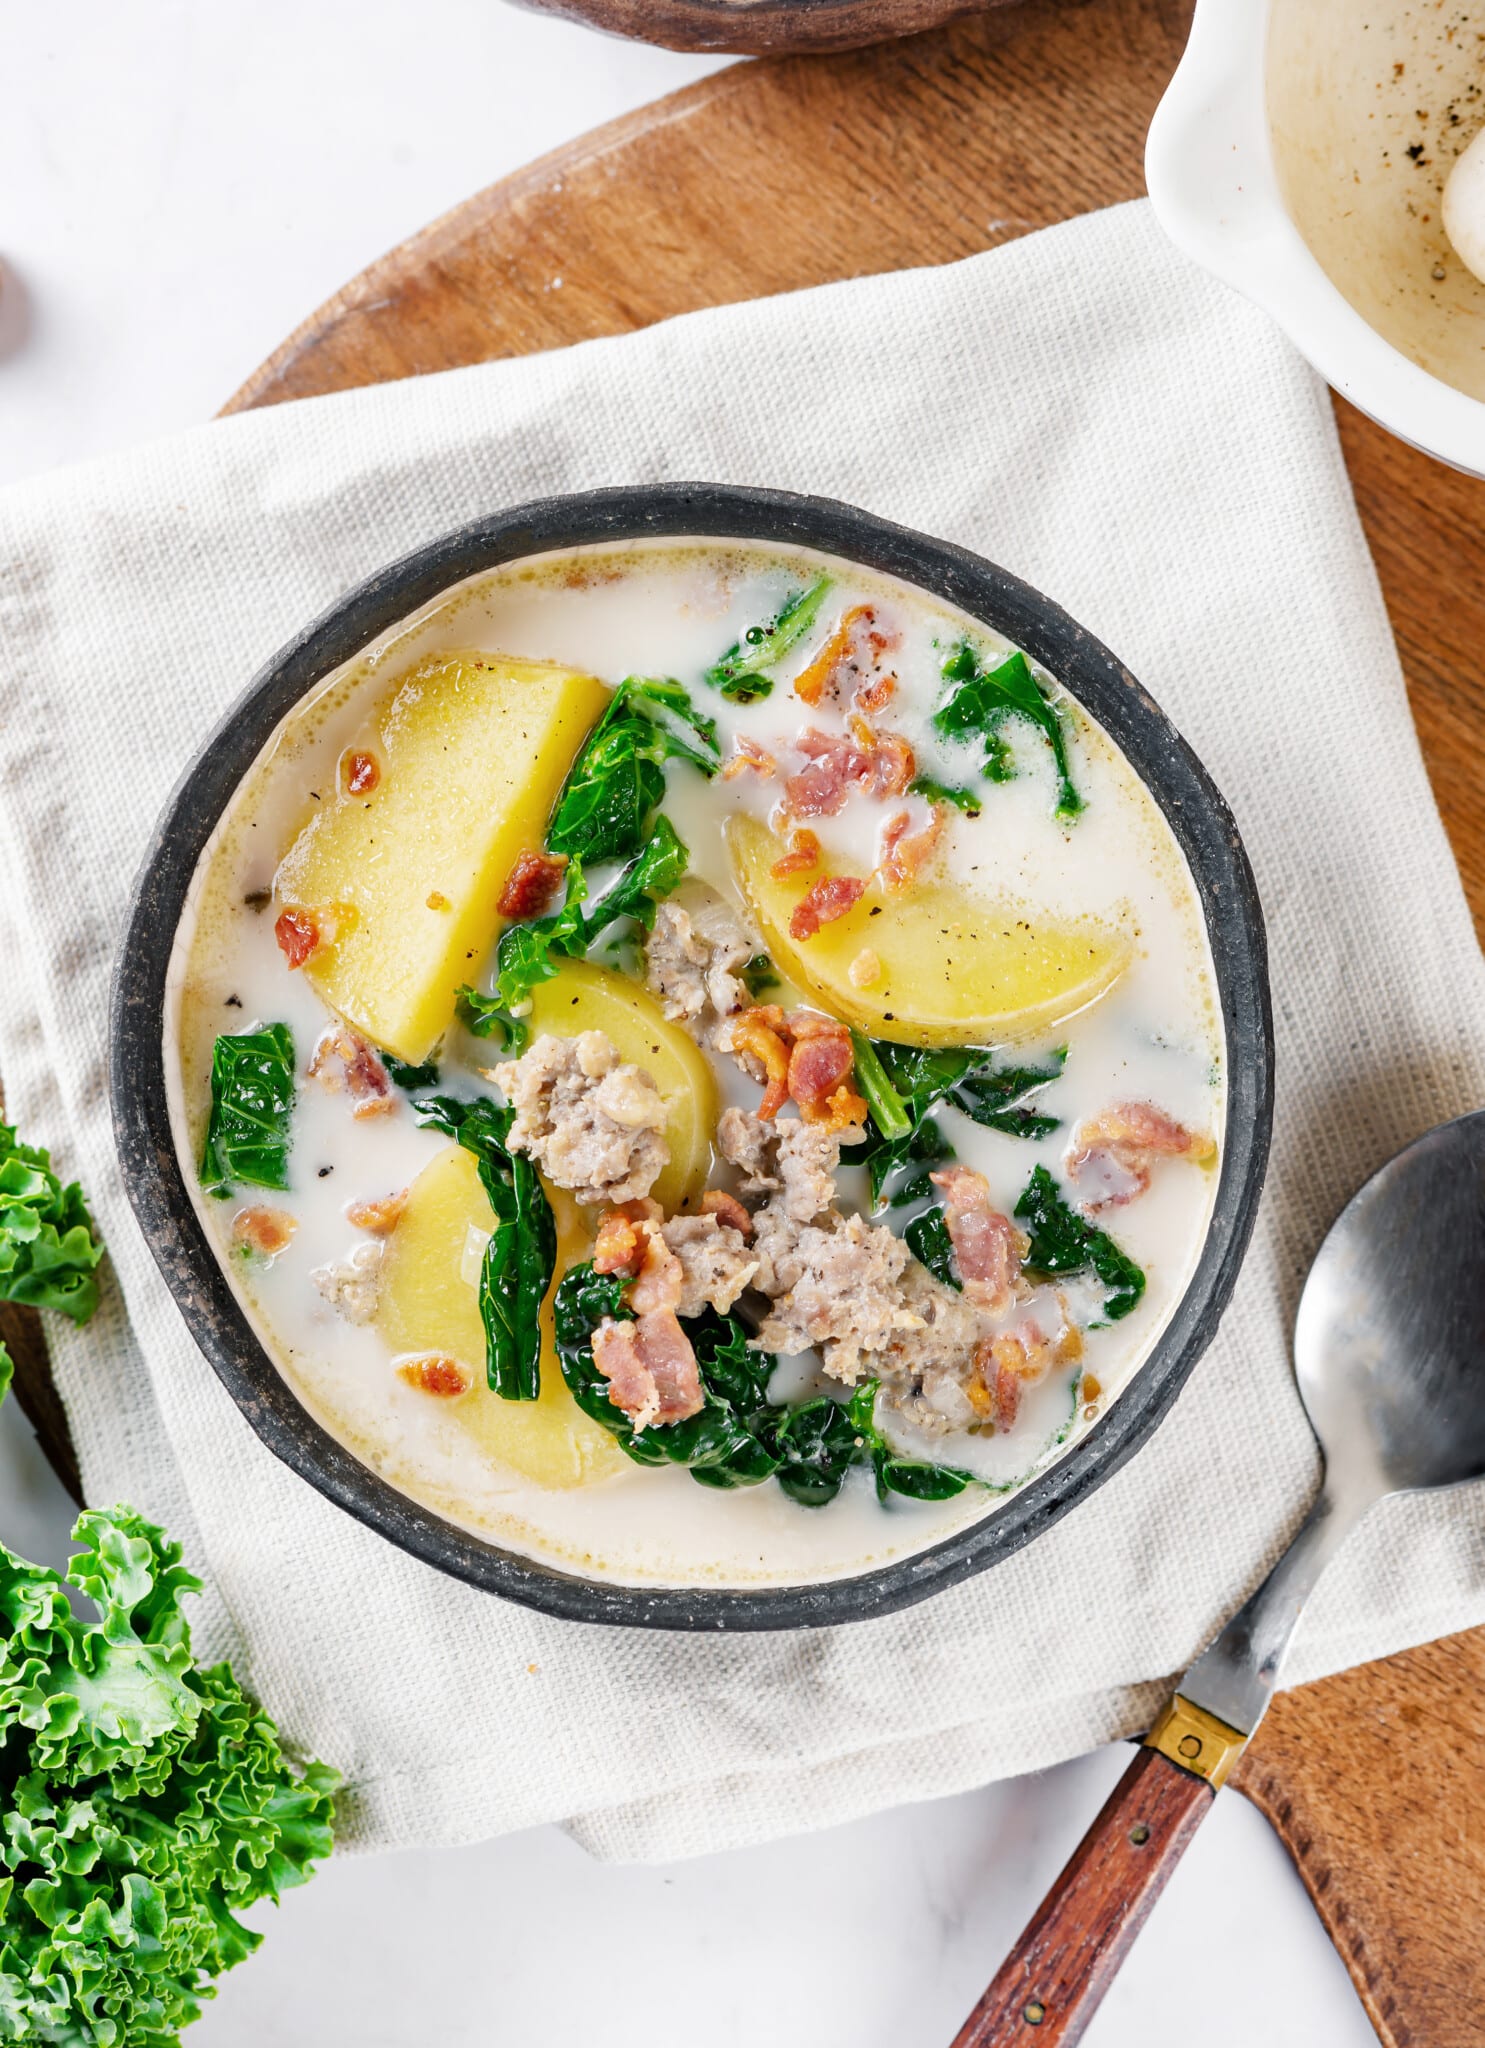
1050, 1985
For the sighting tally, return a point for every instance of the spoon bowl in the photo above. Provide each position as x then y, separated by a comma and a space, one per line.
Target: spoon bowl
1389, 1344
1389, 1352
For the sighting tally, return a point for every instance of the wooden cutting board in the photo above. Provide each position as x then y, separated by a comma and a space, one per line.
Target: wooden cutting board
795, 171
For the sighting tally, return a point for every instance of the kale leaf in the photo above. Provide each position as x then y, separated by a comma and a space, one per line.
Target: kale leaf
521, 1254
529, 954
1063, 1243
888, 1110
996, 1097
816, 1444
410, 1079
147, 1799
966, 1077
486, 1017
967, 800
927, 1238
738, 674
49, 1248
617, 782
252, 1104
914, 1478
758, 976
739, 1438
982, 701
719, 1445
653, 873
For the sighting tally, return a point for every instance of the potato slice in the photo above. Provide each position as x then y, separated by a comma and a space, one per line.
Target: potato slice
470, 753
582, 997
953, 970
429, 1301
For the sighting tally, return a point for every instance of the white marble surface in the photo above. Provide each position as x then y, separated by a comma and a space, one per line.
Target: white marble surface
181, 185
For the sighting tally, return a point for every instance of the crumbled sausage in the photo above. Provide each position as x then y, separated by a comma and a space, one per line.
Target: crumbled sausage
692, 959
352, 1287
592, 1122
714, 1260
791, 1159
840, 1292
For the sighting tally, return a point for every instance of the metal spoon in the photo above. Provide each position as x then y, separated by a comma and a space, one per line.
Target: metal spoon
1389, 1351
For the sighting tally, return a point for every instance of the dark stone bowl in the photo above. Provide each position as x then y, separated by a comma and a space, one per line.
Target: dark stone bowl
1197, 814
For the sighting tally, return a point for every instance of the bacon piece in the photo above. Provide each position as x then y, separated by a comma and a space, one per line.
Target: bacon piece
856, 645
865, 970
728, 1211
903, 853
748, 758
1111, 1155
661, 1280
821, 1064
891, 763
823, 902
342, 1058
360, 772
298, 935
650, 1368
987, 1246
434, 1372
759, 1032
823, 788
617, 1248
620, 1244
379, 1218
262, 1231
870, 698
803, 854
531, 885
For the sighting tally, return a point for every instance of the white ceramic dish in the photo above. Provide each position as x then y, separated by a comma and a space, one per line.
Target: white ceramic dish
1209, 164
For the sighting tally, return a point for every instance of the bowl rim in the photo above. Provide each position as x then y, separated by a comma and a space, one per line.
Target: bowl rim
1204, 828
1214, 185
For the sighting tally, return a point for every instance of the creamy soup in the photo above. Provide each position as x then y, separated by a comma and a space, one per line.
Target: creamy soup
1369, 107
701, 1063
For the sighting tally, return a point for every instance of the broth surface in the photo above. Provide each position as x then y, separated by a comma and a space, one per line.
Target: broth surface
1368, 108
670, 609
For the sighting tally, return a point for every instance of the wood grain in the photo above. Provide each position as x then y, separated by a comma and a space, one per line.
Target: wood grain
762, 25
1053, 1981
792, 172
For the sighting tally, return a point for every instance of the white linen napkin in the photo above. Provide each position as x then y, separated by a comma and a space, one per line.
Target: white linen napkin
1092, 412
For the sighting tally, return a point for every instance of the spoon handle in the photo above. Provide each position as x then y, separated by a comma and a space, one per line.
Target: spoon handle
1051, 1984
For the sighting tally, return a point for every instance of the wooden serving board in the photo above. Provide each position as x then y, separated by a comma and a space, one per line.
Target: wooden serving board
795, 171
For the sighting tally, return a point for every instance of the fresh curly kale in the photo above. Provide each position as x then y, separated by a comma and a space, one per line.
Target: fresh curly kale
252, 1106
49, 1246
145, 1801
983, 699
